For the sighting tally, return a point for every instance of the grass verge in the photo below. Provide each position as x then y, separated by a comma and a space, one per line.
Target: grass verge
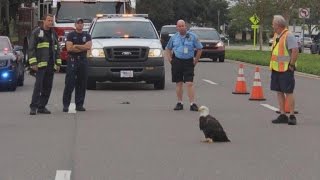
307, 63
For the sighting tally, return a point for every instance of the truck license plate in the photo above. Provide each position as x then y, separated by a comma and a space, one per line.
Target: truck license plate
126, 74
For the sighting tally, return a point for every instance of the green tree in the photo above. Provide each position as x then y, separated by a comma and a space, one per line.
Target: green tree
159, 11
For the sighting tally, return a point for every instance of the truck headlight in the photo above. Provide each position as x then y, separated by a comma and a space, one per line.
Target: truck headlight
96, 53
155, 53
220, 44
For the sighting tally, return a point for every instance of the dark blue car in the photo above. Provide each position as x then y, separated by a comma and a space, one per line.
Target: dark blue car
11, 65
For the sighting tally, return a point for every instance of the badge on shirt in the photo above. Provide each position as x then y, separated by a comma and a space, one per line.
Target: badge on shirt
185, 50
41, 33
84, 39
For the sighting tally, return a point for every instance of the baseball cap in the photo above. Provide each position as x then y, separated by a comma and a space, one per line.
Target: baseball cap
78, 20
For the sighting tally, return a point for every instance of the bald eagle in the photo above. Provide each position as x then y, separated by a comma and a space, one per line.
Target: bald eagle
211, 127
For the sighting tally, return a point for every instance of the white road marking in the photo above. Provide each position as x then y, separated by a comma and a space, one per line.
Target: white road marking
270, 107
210, 82
63, 175
72, 108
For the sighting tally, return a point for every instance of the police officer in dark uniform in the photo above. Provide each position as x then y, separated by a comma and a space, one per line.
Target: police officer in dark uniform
44, 60
78, 43
180, 53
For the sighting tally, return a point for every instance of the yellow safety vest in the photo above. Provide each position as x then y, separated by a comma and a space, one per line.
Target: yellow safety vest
280, 57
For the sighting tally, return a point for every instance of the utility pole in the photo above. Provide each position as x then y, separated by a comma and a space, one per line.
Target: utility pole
219, 20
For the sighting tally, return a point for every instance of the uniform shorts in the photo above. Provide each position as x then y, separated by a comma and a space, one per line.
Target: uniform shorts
182, 70
282, 81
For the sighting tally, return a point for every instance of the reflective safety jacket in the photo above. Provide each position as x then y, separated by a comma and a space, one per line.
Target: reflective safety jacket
280, 56
39, 49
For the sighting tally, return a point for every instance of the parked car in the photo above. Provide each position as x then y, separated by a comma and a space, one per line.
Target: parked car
213, 46
298, 41
165, 34
307, 42
11, 64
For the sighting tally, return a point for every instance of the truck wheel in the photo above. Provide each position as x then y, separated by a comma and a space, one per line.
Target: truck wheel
159, 84
221, 58
91, 84
214, 59
21, 80
12, 86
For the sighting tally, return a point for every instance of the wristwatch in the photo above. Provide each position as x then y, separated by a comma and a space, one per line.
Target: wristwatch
293, 66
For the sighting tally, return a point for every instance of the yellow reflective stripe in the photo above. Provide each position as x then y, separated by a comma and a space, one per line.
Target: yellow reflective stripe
43, 45
55, 47
32, 60
42, 64
58, 61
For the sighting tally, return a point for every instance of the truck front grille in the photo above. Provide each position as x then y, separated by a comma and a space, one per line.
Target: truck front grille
125, 54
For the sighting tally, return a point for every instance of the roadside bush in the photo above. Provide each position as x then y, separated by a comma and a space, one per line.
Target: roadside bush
307, 63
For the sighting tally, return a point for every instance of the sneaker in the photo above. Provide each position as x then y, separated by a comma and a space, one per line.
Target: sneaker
178, 107
33, 111
80, 109
65, 109
292, 120
281, 119
194, 107
44, 111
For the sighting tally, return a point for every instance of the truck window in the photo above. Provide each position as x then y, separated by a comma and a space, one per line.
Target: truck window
124, 28
68, 11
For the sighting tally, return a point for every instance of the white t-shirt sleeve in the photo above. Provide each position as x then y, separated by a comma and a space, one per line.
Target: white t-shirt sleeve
291, 41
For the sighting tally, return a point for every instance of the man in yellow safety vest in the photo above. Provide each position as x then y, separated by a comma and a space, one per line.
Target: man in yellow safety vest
283, 64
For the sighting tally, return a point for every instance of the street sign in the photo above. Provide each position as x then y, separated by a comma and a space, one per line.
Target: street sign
254, 26
254, 19
304, 13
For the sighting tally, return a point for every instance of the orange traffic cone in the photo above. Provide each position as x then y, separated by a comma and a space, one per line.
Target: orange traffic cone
287, 107
241, 86
257, 91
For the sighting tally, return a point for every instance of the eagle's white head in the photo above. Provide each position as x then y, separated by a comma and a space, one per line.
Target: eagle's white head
204, 111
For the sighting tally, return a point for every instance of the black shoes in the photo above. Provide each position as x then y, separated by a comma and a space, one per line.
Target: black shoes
33, 111
44, 111
194, 107
281, 119
292, 120
178, 107
65, 109
80, 109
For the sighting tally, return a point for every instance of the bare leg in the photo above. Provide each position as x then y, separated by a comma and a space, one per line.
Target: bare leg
179, 91
291, 102
191, 91
281, 101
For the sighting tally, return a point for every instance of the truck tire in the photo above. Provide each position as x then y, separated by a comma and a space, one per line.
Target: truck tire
221, 58
91, 84
159, 85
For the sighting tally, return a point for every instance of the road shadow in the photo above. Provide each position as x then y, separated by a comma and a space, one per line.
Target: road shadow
123, 86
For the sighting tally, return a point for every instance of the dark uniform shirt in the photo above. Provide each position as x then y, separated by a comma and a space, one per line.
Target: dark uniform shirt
80, 39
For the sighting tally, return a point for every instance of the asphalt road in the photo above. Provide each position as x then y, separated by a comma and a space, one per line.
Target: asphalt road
147, 140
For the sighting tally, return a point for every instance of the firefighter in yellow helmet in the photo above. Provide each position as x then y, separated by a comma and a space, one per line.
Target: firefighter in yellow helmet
283, 64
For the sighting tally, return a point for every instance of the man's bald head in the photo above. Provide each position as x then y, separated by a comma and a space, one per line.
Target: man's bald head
181, 27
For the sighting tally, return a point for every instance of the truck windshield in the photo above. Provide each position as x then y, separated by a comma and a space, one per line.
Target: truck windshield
68, 11
207, 34
123, 29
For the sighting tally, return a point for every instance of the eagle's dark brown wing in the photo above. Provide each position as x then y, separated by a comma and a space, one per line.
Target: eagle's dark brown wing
214, 130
